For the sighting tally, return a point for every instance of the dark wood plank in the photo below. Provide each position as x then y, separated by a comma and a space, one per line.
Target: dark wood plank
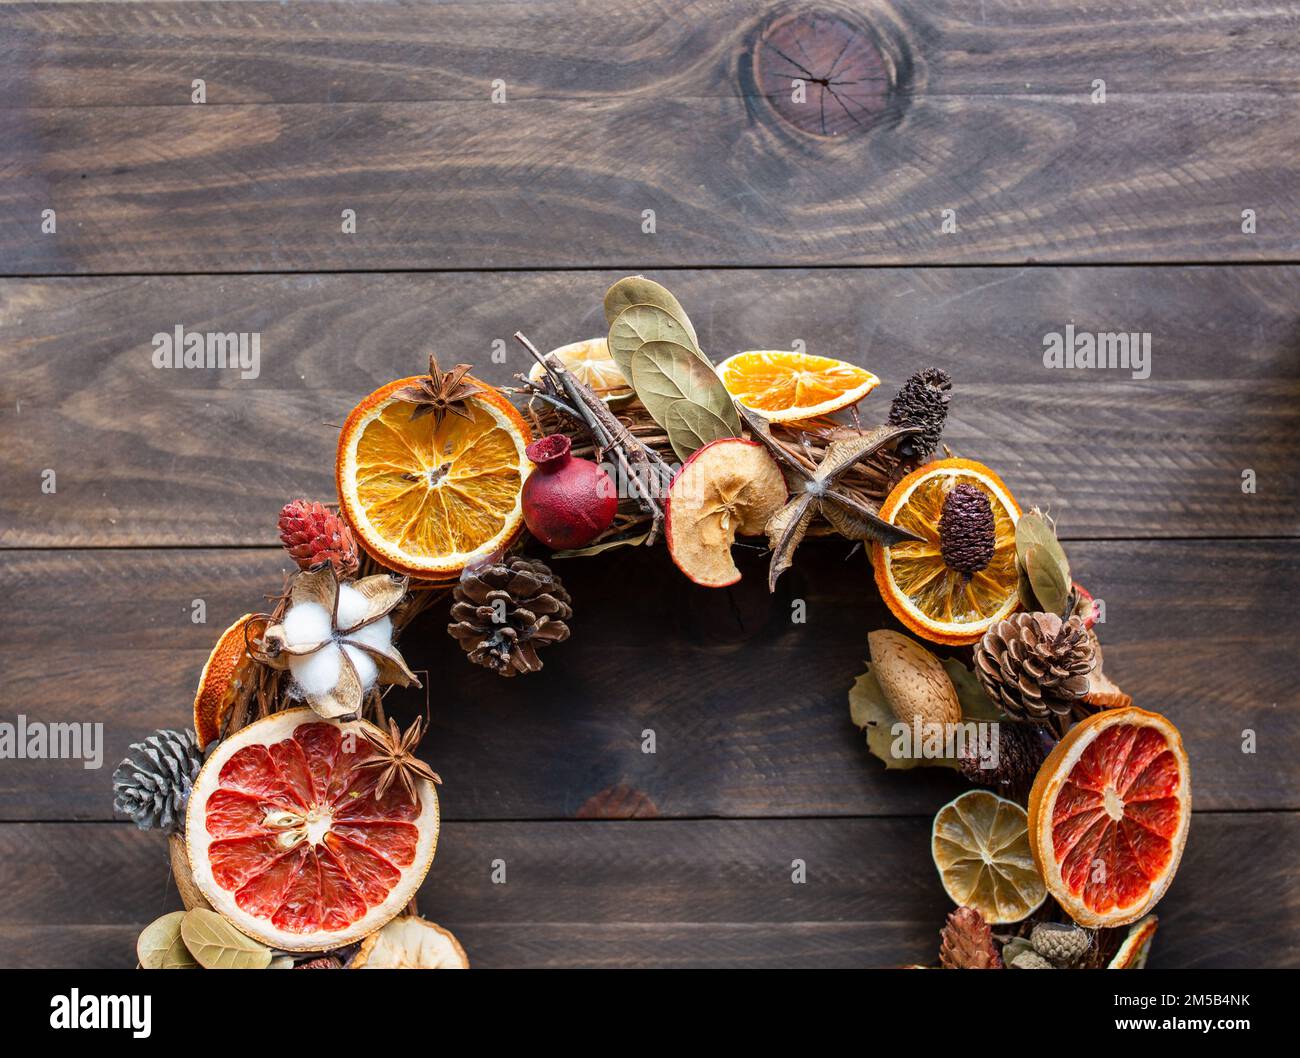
988, 113
91, 55
664, 893
749, 710
147, 456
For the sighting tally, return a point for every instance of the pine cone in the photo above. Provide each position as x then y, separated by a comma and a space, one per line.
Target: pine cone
966, 532
1030, 960
314, 535
150, 786
967, 942
1022, 748
501, 613
1034, 665
1061, 943
923, 401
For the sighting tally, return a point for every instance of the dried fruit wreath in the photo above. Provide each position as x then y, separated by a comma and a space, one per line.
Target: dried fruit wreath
301, 821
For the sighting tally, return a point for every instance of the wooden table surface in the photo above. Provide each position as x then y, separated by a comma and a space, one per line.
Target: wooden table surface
775, 222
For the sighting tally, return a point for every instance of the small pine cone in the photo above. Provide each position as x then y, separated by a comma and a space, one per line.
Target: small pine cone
1022, 748
923, 402
151, 785
1061, 943
966, 534
1034, 665
314, 535
967, 942
1030, 960
502, 612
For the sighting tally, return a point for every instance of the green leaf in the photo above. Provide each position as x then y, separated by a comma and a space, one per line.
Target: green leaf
604, 545
638, 290
975, 703
639, 324
217, 945
691, 426
160, 946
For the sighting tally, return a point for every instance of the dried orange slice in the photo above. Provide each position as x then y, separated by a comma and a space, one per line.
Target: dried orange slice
980, 843
287, 840
428, 498
593, 365
226, 672
783, 385
1108, 815
935, 601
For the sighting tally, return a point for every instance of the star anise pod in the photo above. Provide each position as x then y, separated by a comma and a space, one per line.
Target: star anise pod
395, 754
440, 393
814, 492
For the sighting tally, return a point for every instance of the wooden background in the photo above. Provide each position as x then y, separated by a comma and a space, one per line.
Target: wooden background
477, 218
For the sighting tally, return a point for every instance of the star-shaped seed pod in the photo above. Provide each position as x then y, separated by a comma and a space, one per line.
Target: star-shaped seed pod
337, 639
813, 492
395, 754
440, 393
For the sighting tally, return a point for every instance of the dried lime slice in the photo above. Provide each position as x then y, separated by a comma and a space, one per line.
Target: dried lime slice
980, 844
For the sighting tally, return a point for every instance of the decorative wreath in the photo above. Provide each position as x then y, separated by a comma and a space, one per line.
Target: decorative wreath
301, 822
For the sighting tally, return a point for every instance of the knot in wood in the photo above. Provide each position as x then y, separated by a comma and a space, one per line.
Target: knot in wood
822, 74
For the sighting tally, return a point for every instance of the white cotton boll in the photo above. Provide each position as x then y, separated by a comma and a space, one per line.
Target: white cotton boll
367, 670
306, 624
318, 672
352, 606
378, 635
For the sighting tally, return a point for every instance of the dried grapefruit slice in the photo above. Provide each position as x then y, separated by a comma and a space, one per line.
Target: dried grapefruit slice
784, 386
1108, 815
428, 498
591, 362
980, 844
942, 604
226, 672
287, 840
1136, 949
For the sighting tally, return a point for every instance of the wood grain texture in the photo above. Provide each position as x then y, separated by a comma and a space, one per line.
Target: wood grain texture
990, 115
749, 710
200, 457
664, 893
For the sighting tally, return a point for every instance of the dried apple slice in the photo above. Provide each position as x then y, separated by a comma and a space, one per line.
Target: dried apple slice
727, 488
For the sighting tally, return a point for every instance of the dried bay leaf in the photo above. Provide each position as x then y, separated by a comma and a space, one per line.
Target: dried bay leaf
161, 947
975, 701
604, 545
639, 324
691, 426
217, 945
1049, 577
638, 290
665, 373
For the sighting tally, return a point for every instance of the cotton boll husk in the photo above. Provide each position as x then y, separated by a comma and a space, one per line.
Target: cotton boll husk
318, 672
306, 624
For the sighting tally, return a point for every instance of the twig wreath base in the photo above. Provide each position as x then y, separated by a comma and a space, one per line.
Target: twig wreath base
298, 811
